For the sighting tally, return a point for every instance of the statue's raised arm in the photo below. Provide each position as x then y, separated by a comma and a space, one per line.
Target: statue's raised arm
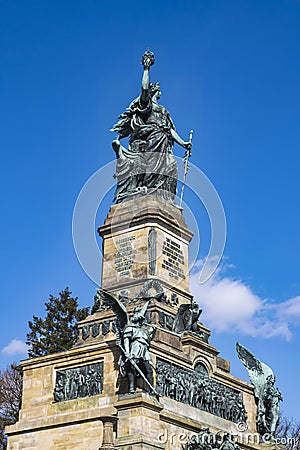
147, 61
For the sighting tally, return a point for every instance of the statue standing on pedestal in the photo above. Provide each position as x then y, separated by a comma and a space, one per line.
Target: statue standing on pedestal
133, 336
148, 165
136, 341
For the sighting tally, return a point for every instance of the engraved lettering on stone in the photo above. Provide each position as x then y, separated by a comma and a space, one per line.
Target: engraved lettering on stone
173, 260
194, 389
125, 255
84, 381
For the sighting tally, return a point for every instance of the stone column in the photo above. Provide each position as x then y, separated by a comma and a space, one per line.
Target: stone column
108, 432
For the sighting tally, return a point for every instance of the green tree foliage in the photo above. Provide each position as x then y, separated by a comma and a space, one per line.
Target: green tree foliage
55, 333
10, 399
58, 331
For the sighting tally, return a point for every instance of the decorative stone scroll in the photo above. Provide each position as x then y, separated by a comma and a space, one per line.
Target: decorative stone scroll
152, 289
78, 382
156, 286
196, 389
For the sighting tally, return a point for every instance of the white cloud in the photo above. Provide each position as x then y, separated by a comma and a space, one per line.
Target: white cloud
15, 347
290, 309
230, 305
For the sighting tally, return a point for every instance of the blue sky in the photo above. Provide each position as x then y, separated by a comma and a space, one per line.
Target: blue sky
229, 70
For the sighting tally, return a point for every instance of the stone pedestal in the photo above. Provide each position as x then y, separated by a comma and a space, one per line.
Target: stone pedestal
78, 400
139, 416
145, 239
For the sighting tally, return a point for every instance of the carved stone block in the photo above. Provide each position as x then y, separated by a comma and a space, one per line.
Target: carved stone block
195, 388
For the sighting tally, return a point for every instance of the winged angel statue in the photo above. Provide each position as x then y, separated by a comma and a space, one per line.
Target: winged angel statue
133, 336
266, 394
187, 317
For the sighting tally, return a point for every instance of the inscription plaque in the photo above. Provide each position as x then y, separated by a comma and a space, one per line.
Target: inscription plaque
125, 255
173, 260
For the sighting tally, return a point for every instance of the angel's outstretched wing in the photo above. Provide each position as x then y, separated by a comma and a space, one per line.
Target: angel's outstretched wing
119, 310
180, 320
183, 308
257, 370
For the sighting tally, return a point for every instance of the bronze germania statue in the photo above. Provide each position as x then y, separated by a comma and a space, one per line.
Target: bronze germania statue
148, 165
